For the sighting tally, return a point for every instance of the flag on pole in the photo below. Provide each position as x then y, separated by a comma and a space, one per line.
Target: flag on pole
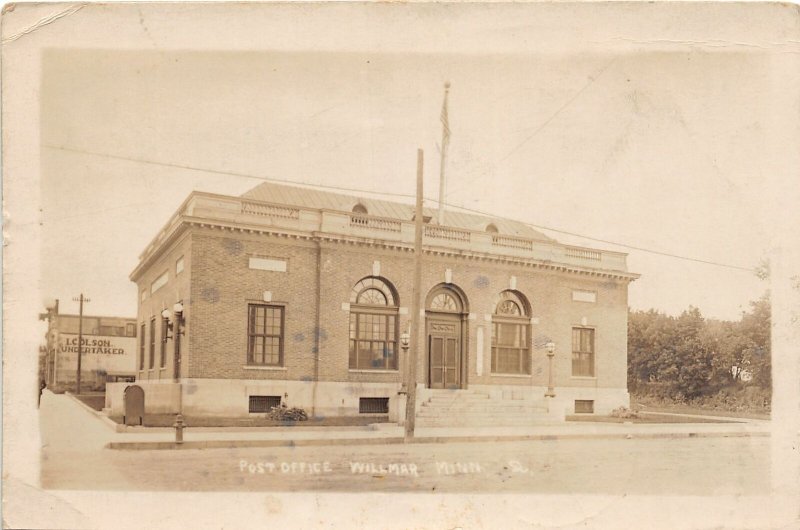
445, 122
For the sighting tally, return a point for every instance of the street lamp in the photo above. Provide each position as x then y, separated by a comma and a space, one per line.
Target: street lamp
551, 351
405, 341
169, 321
173, 321
166, 316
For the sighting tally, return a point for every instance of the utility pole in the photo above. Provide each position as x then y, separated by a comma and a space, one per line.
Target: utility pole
411, 403
80, 299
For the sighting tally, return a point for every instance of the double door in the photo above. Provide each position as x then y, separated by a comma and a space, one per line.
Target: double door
444, 353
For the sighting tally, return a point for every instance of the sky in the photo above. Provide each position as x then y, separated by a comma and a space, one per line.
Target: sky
656, 150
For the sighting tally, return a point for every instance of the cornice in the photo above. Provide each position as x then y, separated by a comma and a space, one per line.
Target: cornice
185, 222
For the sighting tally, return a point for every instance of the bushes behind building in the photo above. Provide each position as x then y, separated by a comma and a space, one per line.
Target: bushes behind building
701, 362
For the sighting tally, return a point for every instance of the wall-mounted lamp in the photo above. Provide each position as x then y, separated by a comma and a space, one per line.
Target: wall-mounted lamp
169, 321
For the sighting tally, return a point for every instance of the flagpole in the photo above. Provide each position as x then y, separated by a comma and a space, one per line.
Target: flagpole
445, 141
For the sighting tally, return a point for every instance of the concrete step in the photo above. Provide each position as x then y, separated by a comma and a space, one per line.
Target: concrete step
486, 412
486, 406
485, 403
509, 413
451, 399
426, 422
464, 408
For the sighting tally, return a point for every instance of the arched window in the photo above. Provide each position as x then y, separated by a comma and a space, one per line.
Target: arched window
358, 215
373, 325
491, 228
446, 299
511, 351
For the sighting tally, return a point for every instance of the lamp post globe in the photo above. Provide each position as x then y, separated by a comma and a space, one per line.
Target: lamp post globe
551, 351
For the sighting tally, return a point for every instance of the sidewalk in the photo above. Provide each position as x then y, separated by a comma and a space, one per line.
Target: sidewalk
80, 416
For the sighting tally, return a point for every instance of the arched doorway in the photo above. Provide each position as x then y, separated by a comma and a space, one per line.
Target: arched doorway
446, 333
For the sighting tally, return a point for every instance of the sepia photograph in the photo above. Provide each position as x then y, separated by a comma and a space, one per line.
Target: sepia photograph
419, 265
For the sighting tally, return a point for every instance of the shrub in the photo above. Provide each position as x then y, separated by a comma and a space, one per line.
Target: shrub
284, 413
624, 412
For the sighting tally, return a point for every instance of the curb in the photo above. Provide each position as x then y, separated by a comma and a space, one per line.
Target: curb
235, 444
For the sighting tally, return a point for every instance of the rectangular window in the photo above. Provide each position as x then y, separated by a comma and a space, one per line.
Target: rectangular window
141, 348
584, 406
510, 352
179, 266
163, 348
265, 335
112, 331
263, 403
151, 364
583, 352
159, 282
373, 405
373, 341
130, 330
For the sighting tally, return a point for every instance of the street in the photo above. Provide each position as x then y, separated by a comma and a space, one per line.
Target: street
74, 458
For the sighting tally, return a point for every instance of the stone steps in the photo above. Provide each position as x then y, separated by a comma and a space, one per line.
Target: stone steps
465, 408
425, 407
516, 421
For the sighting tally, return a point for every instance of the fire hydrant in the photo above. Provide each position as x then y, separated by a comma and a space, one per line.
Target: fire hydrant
179, 426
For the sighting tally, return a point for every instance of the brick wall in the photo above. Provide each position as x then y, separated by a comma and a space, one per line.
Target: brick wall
176, 289
223, 284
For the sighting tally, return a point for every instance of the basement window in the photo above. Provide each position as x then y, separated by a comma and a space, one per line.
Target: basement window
373, 405
584, 406
264, 403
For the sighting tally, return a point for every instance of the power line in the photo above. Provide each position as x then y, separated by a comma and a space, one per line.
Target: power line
404, 195
558, 111
545, 123
606, 241
221, 171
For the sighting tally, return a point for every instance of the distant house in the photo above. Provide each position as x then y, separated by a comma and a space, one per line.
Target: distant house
297, 295
108, 350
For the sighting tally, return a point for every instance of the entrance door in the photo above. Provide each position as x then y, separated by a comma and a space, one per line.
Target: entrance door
444, 354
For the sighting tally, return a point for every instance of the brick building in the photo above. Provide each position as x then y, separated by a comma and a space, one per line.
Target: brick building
299, 296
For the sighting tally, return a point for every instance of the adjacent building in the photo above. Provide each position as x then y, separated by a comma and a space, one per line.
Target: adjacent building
299, 296
108, 350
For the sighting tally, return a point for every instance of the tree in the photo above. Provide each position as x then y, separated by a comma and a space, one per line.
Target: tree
693, 365
755, 327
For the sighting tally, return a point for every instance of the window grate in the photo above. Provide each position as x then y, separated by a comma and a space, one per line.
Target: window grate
584, 406
264, 403
373, 405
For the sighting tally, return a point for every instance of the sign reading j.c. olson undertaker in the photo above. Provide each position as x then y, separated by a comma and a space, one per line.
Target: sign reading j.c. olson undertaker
112, 354
101, 346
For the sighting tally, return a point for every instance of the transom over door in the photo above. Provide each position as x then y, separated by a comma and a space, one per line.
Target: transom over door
444, 355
